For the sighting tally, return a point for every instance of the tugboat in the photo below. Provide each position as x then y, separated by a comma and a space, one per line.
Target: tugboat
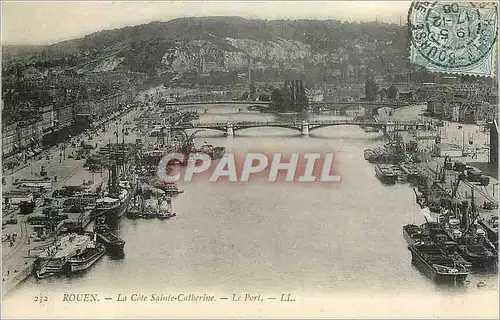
136, 207
111, 241
90, 255
168, 188
218, 152
165, 209
150, 208
213, 152
436, 264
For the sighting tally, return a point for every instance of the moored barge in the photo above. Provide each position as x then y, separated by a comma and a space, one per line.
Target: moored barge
386, 173
111, 241
436, 264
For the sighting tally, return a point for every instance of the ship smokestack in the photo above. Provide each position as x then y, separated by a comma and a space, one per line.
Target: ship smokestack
464, 211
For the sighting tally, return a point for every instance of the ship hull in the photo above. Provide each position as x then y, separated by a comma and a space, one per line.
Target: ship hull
368, 154
84, 264
476, 260
410, 234
432, 273
113, 214
50, 269
492, 234
166, 216
109, 244
132, 214
385, 179
149, 215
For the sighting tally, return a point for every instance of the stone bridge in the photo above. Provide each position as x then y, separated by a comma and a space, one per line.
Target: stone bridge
315, 106
227, 102
305, 127
342, 106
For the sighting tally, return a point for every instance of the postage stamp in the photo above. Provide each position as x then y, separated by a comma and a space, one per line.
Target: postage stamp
454, 37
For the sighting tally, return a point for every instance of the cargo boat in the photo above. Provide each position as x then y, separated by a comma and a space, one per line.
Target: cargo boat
55, 259
386, 173
113, 206
376, 155
90, 255
51, 267
136, 207
169, 188
436, 264
431, 232
213, 152
411, 171
472, 244
413, 234
111, 241
491, 227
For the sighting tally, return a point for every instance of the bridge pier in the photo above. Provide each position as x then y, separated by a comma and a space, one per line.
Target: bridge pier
389, 128
304, 129
229, 130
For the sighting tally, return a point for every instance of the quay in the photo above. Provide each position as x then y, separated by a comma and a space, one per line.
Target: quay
19, 246
452, 191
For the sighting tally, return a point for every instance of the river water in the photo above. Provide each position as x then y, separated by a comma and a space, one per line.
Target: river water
339, 238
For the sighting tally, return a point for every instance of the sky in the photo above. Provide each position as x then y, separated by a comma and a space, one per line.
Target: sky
44, 22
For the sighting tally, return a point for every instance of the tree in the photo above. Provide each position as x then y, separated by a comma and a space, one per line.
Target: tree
286, 96
392, 92
251, 95
371, 89
277, 100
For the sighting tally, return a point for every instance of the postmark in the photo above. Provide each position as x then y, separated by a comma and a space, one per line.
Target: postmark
454, 37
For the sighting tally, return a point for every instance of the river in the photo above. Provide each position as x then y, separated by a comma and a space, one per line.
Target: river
344, 238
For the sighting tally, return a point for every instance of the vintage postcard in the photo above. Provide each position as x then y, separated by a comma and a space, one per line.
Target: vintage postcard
232, 159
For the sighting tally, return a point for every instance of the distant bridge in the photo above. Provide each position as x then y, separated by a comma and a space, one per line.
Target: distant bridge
315, 106
229, 128
230, 102
368, 106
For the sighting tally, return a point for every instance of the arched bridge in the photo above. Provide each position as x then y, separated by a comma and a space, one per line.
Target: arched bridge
342, 106
315, 106
227, 102
229, 128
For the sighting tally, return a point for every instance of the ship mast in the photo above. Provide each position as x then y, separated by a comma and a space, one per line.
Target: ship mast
122, 151
109, 164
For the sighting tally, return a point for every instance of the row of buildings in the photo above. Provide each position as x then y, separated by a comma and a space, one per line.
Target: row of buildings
51, 124
40, 109
461, 102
